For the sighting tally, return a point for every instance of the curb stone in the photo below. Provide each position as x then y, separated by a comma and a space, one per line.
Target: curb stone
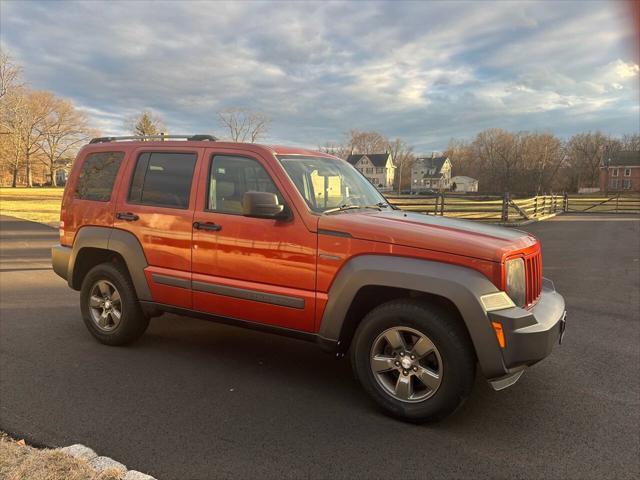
101, 463
79, 451
104, 463
135, 475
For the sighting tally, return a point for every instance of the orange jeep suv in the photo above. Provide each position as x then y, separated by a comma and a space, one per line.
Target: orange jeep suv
296, 242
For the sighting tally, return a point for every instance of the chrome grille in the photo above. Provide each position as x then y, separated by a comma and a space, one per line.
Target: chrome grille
533, 271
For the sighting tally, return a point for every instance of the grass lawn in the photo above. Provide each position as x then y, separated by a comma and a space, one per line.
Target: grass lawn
36, 204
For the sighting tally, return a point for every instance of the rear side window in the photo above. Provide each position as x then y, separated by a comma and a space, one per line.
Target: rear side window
97, 176
163, 179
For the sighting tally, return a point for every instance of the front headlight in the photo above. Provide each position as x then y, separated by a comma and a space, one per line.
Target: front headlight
515, 281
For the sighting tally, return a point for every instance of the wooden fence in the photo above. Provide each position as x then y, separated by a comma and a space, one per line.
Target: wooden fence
505, 209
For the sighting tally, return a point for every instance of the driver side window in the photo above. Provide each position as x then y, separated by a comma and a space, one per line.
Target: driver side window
230, 177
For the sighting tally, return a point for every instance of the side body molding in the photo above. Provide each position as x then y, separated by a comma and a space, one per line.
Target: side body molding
119, 241
462, 286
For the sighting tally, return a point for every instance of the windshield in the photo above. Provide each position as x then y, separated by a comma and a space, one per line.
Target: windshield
331, 184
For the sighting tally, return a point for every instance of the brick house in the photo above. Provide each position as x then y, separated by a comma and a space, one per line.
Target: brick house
377, 167
620, 172
431, 172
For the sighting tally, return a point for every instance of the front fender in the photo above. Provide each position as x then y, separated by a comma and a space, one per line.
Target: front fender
462, 286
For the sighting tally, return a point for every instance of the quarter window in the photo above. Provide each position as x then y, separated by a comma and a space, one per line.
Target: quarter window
97, 176
230, 178
163, 179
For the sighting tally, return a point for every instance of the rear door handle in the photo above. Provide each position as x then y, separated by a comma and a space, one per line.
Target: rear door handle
212, 227
129, 217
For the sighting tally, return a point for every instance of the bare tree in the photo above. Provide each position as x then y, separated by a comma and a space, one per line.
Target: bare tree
244, 125
403, 157
336, 149
62, 131
145, 123
9, 74
631, 142
367, 142
586, 151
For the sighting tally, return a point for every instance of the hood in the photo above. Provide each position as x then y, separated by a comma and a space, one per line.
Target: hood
459, 237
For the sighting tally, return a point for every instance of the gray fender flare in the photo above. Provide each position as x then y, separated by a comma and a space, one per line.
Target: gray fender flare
462, 286
122, 242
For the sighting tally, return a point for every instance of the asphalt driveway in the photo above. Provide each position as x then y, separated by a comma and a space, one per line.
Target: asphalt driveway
196, 400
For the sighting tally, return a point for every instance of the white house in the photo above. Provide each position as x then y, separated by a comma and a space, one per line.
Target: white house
377, 167
463, 184
431, 172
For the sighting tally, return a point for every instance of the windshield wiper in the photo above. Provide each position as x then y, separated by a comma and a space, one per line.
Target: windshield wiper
342, 208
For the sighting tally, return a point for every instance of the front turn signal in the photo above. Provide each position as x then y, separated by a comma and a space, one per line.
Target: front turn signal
497, 328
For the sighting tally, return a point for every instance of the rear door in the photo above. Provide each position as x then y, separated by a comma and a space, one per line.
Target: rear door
157, 206
255, 269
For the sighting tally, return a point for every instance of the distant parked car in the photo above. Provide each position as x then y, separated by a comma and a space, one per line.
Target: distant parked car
295, 242
428, 191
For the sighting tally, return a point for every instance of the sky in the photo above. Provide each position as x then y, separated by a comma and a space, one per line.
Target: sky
425, 72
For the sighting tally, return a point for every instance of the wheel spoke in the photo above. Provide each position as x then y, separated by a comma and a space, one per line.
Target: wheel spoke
104, 289
395, 340
428, 377
404, 389
115, 297
423, 347
115, 315
95, 301
382, 363
103, 320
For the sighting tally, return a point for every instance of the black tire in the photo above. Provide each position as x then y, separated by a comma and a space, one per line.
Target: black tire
133, 322
456, 357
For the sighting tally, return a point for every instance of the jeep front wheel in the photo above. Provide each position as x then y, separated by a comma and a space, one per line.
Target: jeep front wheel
110, 309
414, 359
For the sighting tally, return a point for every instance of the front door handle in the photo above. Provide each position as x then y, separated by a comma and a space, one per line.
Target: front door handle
212, 227
129, 217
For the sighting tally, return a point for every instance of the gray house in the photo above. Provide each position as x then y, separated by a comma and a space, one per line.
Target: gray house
431, 172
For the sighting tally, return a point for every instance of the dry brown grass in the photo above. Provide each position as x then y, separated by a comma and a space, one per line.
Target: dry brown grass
21, 462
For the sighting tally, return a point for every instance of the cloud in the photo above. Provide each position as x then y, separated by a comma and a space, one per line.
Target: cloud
422, 71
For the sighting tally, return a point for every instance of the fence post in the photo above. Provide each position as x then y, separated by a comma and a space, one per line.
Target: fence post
535, 206
565, 203
435, 211
505, 207
544, 205
555, 198
617, 198
442, 204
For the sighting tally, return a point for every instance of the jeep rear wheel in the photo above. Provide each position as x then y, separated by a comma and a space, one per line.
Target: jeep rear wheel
414, 359
110, 309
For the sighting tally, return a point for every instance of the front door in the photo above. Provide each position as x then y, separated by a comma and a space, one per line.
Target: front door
156, 204
255, 269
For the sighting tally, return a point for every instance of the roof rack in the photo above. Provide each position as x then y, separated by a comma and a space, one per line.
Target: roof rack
161, 137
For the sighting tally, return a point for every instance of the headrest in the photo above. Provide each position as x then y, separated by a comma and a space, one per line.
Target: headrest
225, 189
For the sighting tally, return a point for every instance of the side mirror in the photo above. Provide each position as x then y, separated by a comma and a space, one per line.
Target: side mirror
262, 205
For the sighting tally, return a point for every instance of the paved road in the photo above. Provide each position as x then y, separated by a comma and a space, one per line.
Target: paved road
196, 400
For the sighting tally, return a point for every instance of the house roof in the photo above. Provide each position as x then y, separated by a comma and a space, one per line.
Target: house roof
432, 162
463, 178
624, 159
378, 159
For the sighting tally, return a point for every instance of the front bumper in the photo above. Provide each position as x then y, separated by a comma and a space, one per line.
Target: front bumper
530, 335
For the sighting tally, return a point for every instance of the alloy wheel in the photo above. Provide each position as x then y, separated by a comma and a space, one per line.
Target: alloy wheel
105, 305
406, 364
